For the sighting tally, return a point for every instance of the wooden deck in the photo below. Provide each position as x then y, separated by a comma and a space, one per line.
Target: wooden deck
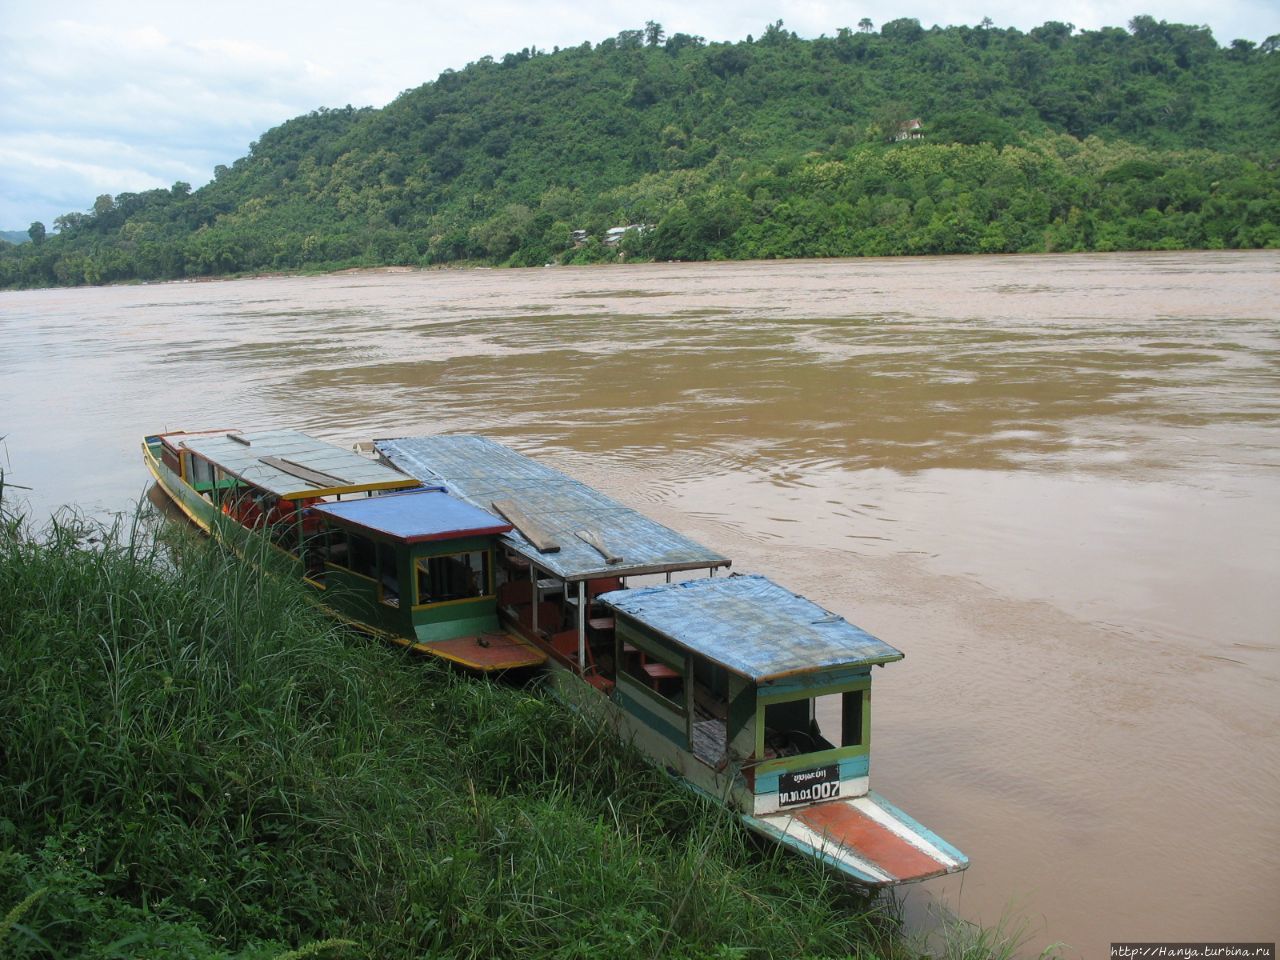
488, 652
854, 829
709, 741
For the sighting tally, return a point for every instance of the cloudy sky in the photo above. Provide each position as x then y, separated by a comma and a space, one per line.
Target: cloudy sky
108, 96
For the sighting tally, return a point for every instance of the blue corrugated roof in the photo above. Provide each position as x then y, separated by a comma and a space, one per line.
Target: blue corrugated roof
415, 516
751, 626
481, 471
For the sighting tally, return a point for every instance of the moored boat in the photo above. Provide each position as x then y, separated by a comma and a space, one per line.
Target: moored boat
404, 562
466, 550
748, 692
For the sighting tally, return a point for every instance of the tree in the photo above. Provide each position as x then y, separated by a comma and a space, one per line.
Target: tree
69, 223
36, 232
681, 41
972, 127
1240, 49
775, 33
903, 30
733, 149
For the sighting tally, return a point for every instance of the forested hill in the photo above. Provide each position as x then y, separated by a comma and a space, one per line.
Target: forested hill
875, 141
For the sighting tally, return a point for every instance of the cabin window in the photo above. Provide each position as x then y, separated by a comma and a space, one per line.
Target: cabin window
851, 718
661, 675
201, 473
337, 549
361, 556
319, 545
790, 728
455, 576
389, 575
814, 724
282, 518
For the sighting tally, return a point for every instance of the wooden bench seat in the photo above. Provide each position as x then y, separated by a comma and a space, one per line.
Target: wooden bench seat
660, 671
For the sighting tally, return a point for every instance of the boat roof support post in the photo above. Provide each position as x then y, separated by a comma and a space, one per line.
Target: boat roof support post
533, 592
582, 627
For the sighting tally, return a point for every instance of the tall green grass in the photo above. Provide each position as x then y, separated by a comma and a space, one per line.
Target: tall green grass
194, 762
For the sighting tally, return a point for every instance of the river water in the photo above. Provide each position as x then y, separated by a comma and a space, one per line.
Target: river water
1053, 481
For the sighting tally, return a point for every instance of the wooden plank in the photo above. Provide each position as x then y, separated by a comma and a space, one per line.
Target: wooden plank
660, 671
592, 539
541, 538
313, 477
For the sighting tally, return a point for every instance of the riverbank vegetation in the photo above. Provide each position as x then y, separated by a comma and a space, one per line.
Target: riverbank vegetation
897, 140
195, 763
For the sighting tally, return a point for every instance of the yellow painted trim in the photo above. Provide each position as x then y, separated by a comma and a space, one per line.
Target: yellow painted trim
336, 491
490, 563
449, 603
152, 467
359, 624
406, 483
536, 658
347, 570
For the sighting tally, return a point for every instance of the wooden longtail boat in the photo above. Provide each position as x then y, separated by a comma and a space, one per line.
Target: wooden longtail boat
407, 563
729, 681
464, 549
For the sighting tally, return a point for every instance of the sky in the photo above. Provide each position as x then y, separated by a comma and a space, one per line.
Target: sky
114, 96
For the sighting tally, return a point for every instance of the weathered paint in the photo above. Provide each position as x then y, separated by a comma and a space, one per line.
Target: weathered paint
737, 622
480, 471
351, 472
653, 709
866, 838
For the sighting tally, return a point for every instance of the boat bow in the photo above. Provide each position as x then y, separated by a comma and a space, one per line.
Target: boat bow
865, 837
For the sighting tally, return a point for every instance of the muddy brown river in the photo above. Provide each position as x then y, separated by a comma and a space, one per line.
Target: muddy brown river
1053, 481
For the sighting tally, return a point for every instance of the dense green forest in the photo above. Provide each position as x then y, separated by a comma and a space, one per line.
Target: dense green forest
1150, 137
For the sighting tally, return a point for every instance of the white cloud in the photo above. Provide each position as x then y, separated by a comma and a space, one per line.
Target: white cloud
159, 91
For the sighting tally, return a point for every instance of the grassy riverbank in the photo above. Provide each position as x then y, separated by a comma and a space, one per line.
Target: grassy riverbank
195, 763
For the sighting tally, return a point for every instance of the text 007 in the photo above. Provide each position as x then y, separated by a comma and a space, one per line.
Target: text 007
809, 786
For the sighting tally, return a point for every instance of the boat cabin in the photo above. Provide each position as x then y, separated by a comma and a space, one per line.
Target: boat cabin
763, 700
418, 565
753, 679
414, 565
567, 545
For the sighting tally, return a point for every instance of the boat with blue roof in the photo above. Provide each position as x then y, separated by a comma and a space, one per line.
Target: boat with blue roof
398, 559
748, 692
467, 550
